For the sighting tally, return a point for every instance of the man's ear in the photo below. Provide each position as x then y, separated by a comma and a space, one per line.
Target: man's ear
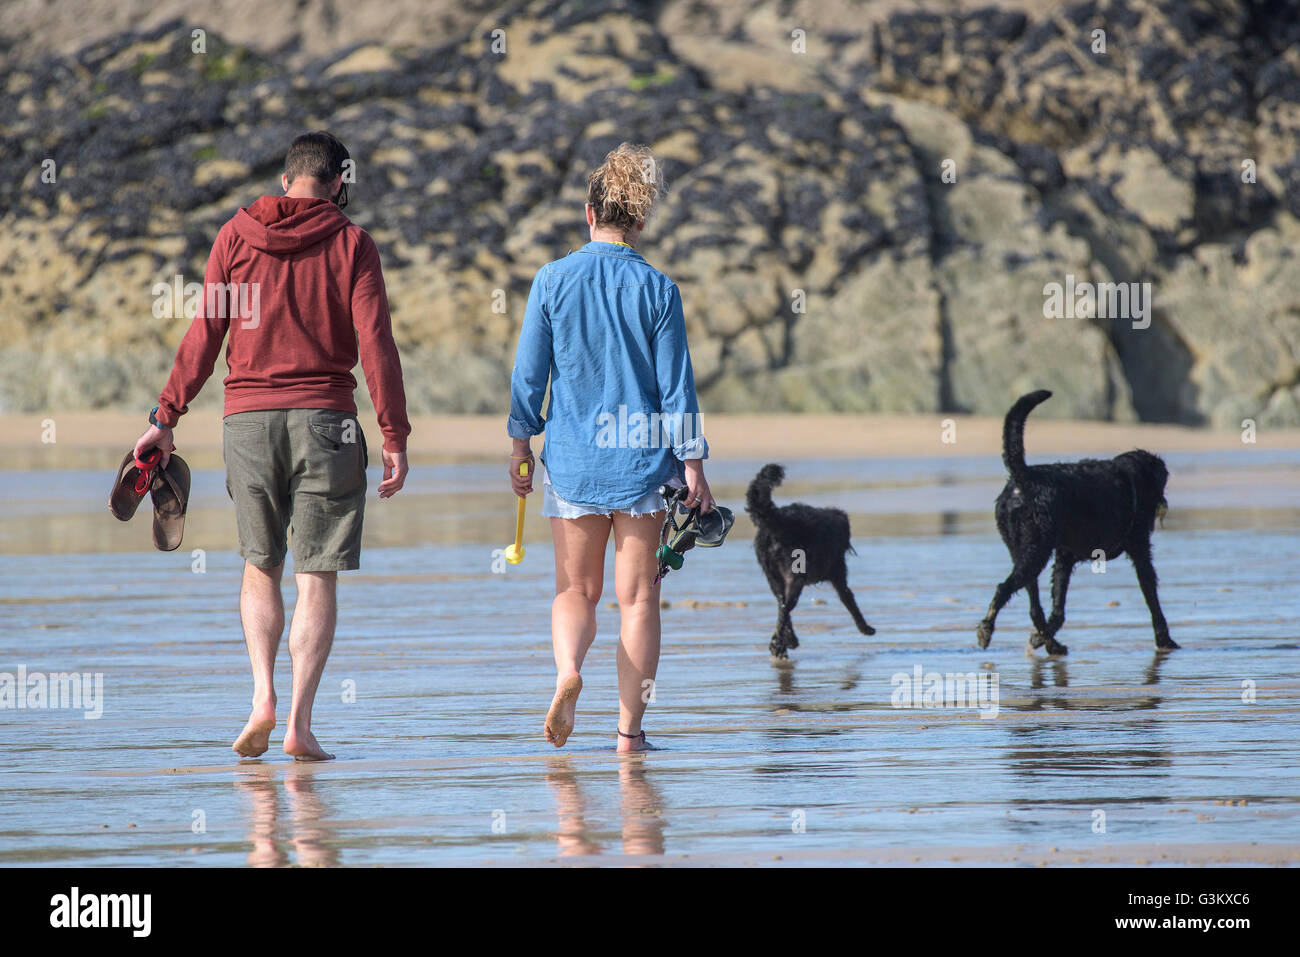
284, 181
591, 215
336, 185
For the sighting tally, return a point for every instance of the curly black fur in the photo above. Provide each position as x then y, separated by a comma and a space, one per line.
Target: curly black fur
1073, 509
821, 534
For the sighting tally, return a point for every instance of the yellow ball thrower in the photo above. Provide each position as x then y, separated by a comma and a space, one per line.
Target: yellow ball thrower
515, 552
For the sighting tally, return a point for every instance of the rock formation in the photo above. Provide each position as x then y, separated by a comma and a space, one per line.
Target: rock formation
866, 199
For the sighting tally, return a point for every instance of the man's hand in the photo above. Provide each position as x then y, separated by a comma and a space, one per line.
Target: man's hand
156, 438
697, 486
394, 473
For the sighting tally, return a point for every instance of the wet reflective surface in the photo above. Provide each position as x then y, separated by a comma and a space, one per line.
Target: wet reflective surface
441, 673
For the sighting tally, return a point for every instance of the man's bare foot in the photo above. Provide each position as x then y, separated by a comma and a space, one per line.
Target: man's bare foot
303, 746
637, 742
256, 736
559, 720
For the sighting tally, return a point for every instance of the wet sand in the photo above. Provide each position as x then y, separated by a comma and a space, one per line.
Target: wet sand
441, 674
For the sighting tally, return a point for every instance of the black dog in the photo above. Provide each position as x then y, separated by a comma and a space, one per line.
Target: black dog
1075, 510
798, 545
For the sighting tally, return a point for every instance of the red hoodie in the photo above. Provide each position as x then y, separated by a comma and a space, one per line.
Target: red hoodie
308, 296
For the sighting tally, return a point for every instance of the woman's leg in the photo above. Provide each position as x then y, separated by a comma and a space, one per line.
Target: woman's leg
635, 566
579, 577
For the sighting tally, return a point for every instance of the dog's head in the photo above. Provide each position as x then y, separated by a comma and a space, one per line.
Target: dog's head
1149, 476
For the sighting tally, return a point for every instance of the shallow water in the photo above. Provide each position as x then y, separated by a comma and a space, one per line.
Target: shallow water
440, 755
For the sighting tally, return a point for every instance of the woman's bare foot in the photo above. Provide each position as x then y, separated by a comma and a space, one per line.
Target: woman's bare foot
303, 746
637, 742
559, 720
256, 736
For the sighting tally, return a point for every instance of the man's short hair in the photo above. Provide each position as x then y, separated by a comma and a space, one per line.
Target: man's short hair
320, 155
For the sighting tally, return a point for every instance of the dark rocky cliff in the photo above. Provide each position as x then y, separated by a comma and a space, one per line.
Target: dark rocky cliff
825, 262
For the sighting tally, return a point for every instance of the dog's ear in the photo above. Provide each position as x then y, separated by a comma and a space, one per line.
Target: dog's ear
1149, 474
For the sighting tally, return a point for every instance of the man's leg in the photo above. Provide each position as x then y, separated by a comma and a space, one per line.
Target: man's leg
253, 447
261, 609
311, 635
328, 490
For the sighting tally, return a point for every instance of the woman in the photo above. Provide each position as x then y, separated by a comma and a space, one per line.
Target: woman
607, 329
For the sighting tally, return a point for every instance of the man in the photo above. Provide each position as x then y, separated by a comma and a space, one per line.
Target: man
300, 291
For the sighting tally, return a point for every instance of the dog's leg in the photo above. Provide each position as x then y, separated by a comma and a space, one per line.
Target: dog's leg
1146, 574
776, 647
1019, 577
1035, 612
840, 581
1061, 571
792, 592
779, 645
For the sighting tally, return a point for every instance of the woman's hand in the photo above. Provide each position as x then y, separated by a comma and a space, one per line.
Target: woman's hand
697, 486
522, 484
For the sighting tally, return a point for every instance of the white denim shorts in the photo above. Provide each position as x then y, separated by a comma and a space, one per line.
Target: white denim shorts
555, 507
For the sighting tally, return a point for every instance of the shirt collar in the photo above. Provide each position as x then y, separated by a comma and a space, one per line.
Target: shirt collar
610, 249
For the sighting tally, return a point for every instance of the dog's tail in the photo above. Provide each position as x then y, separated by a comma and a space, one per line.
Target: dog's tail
1013, 432
758, 499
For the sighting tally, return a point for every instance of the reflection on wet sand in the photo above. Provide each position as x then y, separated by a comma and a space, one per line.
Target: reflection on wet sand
310, 836
784, 671
788, 692
643, 815
1050, 748
572, 834
257, 783
641, 809
1045, 673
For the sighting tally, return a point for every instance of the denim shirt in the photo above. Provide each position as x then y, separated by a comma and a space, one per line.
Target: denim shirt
607, 328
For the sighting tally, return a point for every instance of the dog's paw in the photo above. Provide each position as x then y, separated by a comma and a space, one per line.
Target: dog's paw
778, 649
1165, 643
868, 630
984, 634
1036, 639
1055, 648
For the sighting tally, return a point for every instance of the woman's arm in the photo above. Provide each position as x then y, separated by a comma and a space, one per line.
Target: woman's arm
528, 383
678, 402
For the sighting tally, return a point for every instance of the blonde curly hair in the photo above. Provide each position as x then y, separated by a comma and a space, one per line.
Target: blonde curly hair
624, 188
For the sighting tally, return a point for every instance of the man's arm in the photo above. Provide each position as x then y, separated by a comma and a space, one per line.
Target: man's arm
380, 362
194, 359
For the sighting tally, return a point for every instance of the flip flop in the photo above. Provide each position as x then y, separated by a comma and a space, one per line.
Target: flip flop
714, 526
171, 497
134, 477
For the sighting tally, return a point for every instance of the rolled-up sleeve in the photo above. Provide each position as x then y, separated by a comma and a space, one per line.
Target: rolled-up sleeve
532, 365
677, 399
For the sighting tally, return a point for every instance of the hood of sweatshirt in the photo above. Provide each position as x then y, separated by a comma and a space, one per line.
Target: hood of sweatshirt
285, 224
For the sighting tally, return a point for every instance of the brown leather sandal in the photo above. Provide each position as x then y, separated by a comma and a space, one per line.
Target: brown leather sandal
134, 478
171, 497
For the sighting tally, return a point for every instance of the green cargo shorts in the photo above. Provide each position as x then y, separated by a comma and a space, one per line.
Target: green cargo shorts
299, 469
